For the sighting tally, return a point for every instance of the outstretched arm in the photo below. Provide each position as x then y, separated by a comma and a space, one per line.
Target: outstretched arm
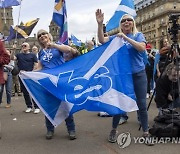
100, 19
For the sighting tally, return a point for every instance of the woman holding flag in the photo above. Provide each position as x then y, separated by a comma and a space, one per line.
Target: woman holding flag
136, 45
50, 56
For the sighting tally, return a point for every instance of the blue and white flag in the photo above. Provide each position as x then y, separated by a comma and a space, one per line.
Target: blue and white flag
125, 7
60, 18
9, 3
100, 80
75, 41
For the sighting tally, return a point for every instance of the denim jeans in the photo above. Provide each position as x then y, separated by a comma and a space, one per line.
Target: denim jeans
27, 97
8, 86
140, 89
69, 124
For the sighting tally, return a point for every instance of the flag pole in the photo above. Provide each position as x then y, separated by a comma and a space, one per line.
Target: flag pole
15, 41
4, 15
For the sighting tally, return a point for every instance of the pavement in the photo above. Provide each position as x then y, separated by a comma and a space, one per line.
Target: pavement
24, 133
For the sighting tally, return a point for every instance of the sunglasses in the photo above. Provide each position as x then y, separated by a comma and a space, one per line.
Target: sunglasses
43, 33
127, 19
24, 46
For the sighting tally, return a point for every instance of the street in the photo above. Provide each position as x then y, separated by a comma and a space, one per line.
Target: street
24, 133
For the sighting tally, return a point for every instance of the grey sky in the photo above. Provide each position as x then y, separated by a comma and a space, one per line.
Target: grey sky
81, 14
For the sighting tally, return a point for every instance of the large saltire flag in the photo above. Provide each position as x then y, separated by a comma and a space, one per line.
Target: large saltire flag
60, 18
22, 31
125, 7
9, 3
100, 80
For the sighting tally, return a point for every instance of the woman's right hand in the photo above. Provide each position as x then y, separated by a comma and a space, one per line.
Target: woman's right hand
99, 16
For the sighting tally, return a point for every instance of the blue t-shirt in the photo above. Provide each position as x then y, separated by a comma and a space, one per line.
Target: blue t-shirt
50, 58
137, 62
25, 61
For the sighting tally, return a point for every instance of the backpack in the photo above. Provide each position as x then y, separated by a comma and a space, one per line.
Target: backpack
166, 125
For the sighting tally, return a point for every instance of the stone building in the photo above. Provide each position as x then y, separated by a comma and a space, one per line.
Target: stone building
153, 18
54, 30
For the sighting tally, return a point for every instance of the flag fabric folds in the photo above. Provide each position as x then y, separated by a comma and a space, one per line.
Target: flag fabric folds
9, 3
75, 41
100, 80
60, 18
125, 7
22, 31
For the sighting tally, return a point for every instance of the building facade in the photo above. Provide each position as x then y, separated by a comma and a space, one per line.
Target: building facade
6, 20
153, 18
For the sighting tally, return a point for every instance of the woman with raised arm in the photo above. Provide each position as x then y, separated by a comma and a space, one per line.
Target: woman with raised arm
136, 45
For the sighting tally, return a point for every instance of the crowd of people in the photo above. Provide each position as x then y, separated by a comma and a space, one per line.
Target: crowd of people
145, 77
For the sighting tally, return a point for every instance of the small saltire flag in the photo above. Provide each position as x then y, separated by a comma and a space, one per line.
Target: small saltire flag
125, 7
75, 41
22, 31
60, 18
9, 3
100, 80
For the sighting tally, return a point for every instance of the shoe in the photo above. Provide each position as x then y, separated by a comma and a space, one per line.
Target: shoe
19, 94
72, 135
104, 114
122, 121
28, 110
147, 95
8, 106
49, 135
148, 139
113, 136
12, 95
36, 111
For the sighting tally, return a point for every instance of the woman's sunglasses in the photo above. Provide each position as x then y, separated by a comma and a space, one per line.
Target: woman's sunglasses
127, 19
24, 46
43, 33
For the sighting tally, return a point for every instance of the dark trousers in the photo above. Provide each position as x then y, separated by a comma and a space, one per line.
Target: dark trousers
27, 97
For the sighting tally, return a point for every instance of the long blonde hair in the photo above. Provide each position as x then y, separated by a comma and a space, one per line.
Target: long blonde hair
134, 31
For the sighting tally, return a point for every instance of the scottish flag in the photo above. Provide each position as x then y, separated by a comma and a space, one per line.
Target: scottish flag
60, 18
125, 7
9, 3
100, 80
75, 41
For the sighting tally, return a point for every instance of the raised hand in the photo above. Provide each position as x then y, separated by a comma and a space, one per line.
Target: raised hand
99, 16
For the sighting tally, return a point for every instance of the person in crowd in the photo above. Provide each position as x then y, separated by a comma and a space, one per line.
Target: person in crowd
167, 90
35, 50
8, 82
15, 85
4, 60
89, 46
149, 69
26, 61
164, 59
94, 41
50, 56
136, 45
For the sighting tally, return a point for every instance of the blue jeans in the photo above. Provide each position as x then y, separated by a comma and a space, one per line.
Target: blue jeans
140, 89
8, 86
69, 124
